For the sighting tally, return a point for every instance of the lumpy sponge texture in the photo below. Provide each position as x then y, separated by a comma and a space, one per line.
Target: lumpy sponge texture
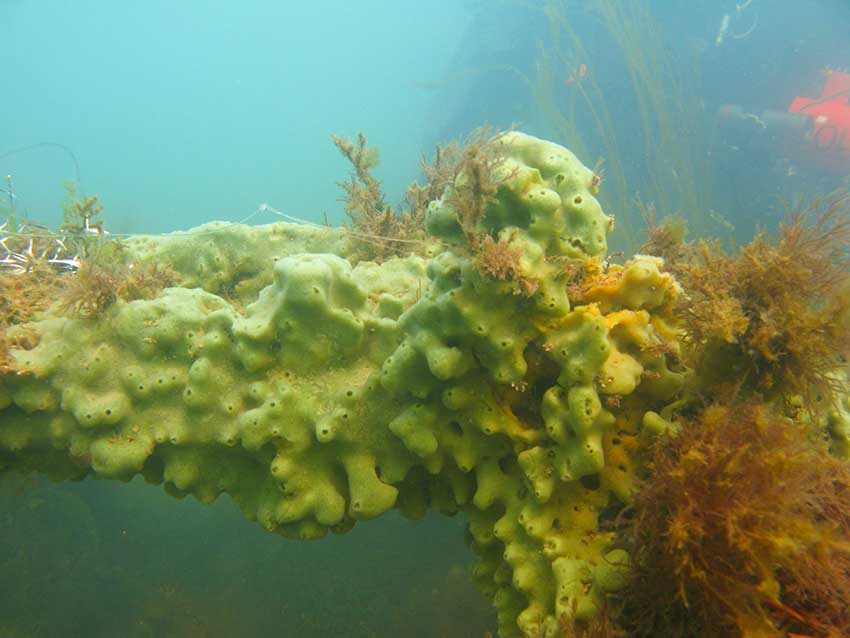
317, 393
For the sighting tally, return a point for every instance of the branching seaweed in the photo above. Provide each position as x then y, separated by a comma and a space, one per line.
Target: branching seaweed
498, 259
80, 268
146, 282
477, 182
82, 229
91, 290
439, 174
772, 317
742, 529
364, 198
378, 232
33, 267
95, 287
665, 239
478, 176
80, 214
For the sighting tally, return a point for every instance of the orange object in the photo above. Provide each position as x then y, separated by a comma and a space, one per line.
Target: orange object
576, 75
829, 143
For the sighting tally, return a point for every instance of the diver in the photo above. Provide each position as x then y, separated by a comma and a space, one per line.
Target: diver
813, 133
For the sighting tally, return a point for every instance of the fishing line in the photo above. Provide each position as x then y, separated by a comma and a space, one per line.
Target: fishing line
262, 208
225, 225
62, 147
298, 220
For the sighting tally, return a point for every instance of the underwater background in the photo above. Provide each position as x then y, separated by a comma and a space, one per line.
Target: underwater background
180, 113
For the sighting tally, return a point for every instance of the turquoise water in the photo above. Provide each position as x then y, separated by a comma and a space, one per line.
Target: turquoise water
183, 112
177, 113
